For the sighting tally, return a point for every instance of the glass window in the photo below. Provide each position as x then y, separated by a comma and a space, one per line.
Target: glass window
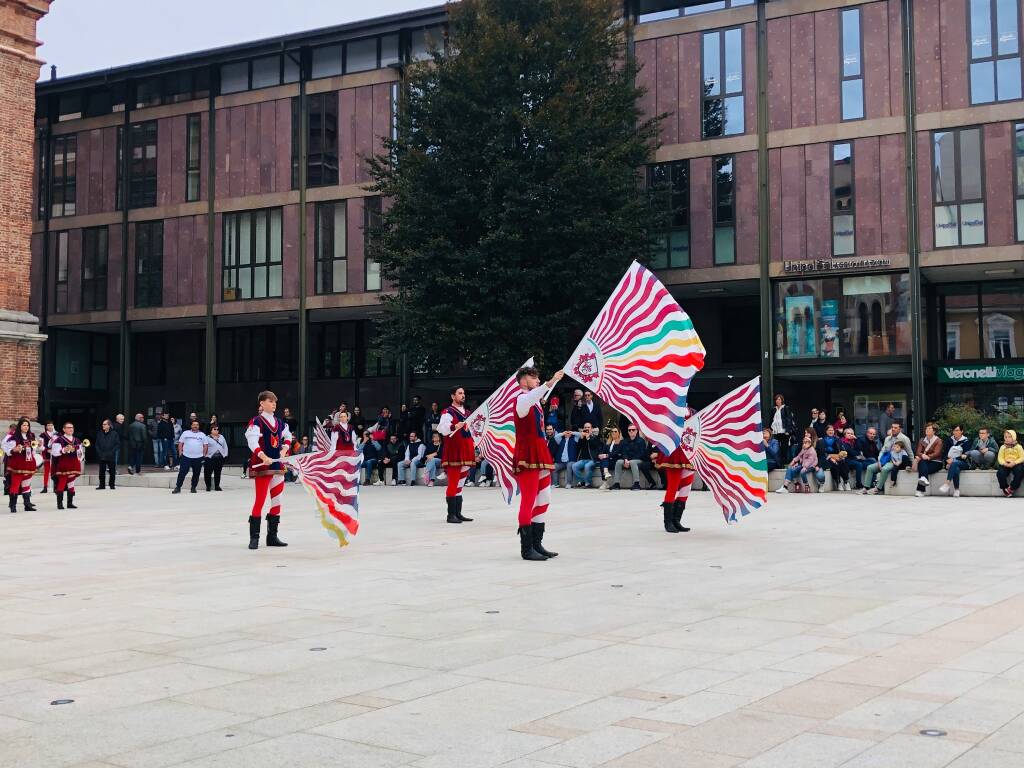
1002, 320
234, 77
327, 61
959, 199
260, 353
722, 64
372, 220
143, 168
94, 269
148, 92
333, 351
82, 360
252, 262
376, 361
995, 72
361, 55
389, 52
149, 264
852, 78
850, 317
1018, 152
669, 186
69, 107
331, 248
656, 10
843, 241
322, 149
266, 72
193, 154
422, 40
60, 258
724, 185
291, 67
63, 179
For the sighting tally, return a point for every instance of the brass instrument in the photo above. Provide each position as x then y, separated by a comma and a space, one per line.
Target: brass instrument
86, 443
35, 444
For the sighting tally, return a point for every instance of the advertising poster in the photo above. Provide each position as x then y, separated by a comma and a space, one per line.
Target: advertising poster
830, 328
801, 336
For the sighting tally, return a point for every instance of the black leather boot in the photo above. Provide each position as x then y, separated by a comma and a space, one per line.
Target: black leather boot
452, 516
272, 522
14, 503
60, 499
254, 532
677, 516
538, 538
27, 498
71, 500
526, 544
667, 514
458, 510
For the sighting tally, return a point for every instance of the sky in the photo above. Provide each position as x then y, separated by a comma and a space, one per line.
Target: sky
89, 35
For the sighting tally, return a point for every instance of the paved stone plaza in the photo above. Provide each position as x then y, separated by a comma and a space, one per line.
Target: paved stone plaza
827, 630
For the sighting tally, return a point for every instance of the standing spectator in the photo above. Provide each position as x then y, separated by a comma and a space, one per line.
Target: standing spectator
394, 451
404, 420
956, 460
886, 418
415, 450
928, 458
895, 455
290, 420
158, 445
592, 412
783, 424
576, 416
371, 458
814, 420
216, 453
983, 452
385, 423
804, 464
551, 417
629, 454
165, 434
821, 423
122, 437
358, 422
213, 422
108, 444
1011, 464
176, 424
432, 458
192, 448
833, 458
840, 423
137, 436
431, 420
864, 455
772, 448
588, 447
562, 446
418, 417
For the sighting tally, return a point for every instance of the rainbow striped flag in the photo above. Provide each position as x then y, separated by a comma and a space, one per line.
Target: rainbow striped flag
640, 355
725, 446
494, 433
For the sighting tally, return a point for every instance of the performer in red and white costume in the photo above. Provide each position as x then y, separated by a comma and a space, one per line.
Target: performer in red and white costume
457, 454
269, 439
47, 438
342, 434
68, 453
20, 448
532, 462
679, 476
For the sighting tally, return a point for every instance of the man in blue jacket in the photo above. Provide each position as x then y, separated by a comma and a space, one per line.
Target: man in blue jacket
563, 450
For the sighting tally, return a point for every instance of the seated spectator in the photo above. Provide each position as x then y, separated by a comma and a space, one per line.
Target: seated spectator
358, 422
649, 463
588, 447
863, 455
563, 451
804, 464
614, 438
894, 456
410, 463
432, 459
832, 456
956, 460
928, 459
984, 451
848, 440
371, 457
481, 473
391, 456
771, 450
1011, 464
630, 454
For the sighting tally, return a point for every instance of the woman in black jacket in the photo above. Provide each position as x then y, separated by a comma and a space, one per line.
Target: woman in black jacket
107, 444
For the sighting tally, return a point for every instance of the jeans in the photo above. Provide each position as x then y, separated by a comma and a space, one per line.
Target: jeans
407, 474
634, 468
169, 452
566, 469
368, 465
858, 466
138, 451
792, 472
158, 452
183, 469
981, 460
1010, 477
483, 471
584, 471
433, 468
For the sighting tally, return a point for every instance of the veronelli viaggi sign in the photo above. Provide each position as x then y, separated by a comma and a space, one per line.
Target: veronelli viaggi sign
967, 374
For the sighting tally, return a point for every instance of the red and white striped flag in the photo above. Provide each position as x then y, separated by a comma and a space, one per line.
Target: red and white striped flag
332, 479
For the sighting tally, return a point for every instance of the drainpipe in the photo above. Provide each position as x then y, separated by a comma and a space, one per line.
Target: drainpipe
764, 211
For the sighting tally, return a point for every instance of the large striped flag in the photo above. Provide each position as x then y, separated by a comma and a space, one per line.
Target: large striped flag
332, 479
494, 433
640, 355
725, 446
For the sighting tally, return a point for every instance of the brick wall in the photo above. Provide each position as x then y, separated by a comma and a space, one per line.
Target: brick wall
19, 68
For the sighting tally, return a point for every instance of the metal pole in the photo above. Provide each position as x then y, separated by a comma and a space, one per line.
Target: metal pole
46, 148
763, 200
124, 338
210, 339
303, 329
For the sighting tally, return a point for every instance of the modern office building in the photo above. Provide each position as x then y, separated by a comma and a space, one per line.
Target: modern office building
845, 191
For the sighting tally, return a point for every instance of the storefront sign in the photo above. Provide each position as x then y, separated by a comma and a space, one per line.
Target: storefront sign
835, 265
967, 374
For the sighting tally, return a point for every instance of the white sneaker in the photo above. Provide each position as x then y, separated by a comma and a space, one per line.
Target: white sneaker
925, 481
821, 488
442, 478
782, 489
919, 494
956, 493
944, 488
846, 485
394, 482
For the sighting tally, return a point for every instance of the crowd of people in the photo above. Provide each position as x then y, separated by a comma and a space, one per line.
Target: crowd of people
871, 461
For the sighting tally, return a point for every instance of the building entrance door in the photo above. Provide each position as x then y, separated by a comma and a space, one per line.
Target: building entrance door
865, 404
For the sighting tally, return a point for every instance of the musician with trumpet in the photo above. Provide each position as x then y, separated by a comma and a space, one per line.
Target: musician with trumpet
20, 447
69, 453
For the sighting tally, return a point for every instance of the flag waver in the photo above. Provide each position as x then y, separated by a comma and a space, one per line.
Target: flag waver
494, 433
640, 355
332, 479
724, 443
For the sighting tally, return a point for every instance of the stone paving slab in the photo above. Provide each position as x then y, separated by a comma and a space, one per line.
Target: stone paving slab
824, 630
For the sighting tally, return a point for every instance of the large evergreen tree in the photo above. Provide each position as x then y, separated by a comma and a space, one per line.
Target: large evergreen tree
513, 188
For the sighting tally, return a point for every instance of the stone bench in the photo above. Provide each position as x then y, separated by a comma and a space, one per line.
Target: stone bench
973, 482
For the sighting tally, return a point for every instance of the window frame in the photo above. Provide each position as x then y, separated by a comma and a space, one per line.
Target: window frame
63, 146
60, 272
715, 224
328, 264
682, 10
143, 173
723, 95
95, 254
843, 78
152, 278
234, 267
1017, 147
373, 212
851, 211
671, 211
996, 56
328, 173
958, 201
193, 165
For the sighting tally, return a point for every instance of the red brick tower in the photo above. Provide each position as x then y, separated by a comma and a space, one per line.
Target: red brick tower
20, 340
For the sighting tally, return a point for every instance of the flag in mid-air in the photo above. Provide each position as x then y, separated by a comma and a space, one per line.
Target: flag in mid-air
494, 432
640, 355
724, 443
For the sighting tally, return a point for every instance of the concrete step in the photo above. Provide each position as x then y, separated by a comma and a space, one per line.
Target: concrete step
973, 482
